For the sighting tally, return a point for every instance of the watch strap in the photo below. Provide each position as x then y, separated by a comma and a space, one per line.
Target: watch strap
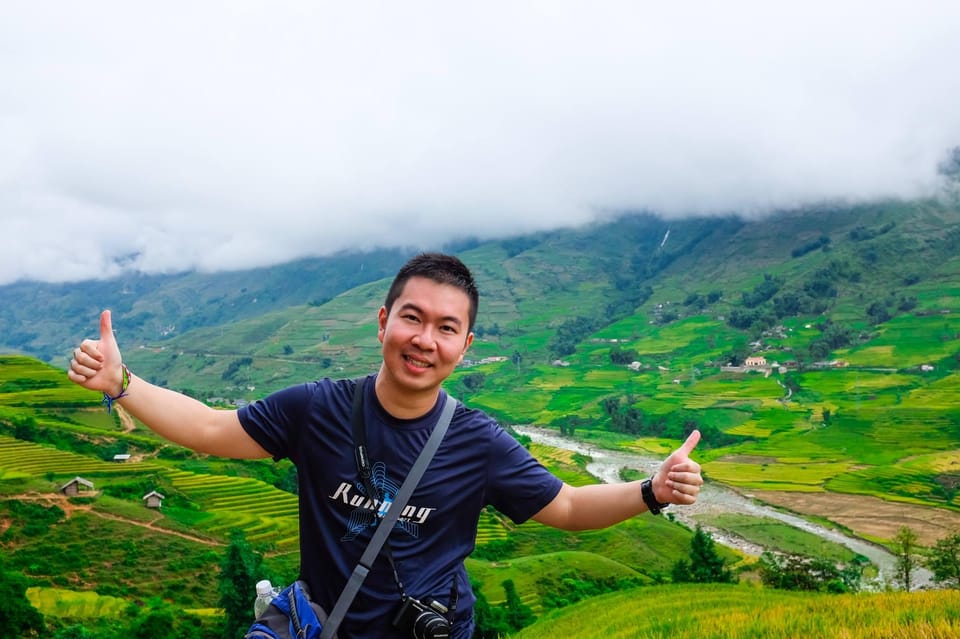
646, 491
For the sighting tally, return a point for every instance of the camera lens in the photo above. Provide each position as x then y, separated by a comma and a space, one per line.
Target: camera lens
430, 625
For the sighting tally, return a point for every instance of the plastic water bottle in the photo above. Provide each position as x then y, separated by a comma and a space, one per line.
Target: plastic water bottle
265, 594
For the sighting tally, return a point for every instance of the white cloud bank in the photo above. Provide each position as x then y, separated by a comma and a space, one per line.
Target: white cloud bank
179, 135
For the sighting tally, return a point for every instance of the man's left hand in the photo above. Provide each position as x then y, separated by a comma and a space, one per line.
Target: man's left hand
678, 481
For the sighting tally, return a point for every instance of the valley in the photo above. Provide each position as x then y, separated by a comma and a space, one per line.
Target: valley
717, 499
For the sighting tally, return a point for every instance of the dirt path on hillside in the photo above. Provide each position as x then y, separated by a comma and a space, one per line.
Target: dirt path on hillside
125, 419
69, 508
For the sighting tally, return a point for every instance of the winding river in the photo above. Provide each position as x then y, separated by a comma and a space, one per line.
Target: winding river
715, 498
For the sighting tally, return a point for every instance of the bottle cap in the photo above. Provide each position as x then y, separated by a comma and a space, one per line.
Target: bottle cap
264, 587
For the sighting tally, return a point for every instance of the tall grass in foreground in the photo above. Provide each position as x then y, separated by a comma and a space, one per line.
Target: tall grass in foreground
746, 612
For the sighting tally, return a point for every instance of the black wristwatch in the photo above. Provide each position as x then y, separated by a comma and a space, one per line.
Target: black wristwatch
646, 490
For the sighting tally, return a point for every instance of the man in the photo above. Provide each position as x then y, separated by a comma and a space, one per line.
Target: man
425, 327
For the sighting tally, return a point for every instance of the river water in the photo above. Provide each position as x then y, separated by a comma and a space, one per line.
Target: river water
716, 498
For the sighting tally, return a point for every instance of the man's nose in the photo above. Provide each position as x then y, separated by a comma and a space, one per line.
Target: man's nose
424, 338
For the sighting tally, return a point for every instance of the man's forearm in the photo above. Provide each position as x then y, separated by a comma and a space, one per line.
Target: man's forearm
593, 506
188, 422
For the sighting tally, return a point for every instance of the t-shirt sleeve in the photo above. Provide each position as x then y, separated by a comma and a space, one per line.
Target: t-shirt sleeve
518, 485
275, 420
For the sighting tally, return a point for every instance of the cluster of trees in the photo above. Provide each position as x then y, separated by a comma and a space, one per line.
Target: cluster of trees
698, 301
626, 417
771, 300
862, 233
943, 560
18, 618
623, 356
571, 587
28, 429
234, 367
570, 333
796, 572
153, 619
493, 622
472, 382
803, 249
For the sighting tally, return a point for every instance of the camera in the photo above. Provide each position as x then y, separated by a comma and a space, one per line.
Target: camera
422, 619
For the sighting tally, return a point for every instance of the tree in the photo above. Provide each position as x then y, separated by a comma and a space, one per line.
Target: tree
489, 622
944, 561
18, 617
239, 572
473, 381
623, 355
157, 623
705, 565
518, 614
905, 547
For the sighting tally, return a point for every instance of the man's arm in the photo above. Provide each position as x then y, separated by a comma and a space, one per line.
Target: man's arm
97, 365
600, 505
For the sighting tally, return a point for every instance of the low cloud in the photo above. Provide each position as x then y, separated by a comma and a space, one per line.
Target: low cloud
183, 136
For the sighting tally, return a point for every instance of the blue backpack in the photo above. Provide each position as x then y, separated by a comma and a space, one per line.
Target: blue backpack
291, 615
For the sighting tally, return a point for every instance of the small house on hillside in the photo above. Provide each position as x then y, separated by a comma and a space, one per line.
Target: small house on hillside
75, 486
154, 499
121, 457
755, 362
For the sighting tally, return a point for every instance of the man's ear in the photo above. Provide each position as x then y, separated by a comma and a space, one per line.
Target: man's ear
466, 346
381, 322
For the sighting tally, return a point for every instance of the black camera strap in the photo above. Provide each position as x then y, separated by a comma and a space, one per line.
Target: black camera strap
387, 514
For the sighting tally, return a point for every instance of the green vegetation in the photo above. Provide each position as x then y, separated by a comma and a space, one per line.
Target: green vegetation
18, 616
769, 533
944, 561
705, 564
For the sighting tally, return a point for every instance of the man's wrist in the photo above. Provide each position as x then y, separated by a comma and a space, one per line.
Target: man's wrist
125, 376
124, 382
650, 499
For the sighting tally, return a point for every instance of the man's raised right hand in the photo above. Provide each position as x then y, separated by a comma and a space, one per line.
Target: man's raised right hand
97, 364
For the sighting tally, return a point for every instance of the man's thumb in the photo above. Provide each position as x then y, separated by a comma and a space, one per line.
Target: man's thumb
106, 327
691, 443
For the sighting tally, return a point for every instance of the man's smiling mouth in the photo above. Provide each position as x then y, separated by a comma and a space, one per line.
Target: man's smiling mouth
419, 363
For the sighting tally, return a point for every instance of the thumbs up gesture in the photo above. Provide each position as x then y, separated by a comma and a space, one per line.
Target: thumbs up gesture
678, 480
96, 364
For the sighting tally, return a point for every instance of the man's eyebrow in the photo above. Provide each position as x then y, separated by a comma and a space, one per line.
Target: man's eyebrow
410, 306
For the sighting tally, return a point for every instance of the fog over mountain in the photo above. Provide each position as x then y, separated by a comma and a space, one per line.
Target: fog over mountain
231, 135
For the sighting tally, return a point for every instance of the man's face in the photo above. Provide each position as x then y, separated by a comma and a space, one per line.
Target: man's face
425, 335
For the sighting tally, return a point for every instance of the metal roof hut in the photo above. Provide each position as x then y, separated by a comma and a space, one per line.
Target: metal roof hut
154, 499
75, 486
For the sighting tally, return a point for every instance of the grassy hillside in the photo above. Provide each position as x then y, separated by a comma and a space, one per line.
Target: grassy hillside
741, 612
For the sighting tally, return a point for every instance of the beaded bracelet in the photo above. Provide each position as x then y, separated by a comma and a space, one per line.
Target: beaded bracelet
123, 389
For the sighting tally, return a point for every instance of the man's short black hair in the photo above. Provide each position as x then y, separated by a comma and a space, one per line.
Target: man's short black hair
442, 269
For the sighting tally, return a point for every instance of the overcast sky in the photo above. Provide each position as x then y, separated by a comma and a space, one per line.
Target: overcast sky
166, 136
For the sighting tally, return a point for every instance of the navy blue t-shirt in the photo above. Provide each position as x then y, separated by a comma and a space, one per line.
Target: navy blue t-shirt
477, 464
